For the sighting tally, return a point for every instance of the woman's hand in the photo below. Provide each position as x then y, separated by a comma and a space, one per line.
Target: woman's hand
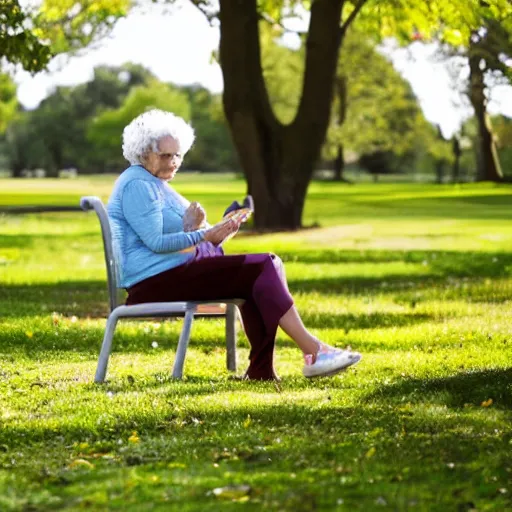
194, 218
219, 232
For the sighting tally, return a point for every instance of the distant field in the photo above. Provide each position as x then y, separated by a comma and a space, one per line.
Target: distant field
416, 277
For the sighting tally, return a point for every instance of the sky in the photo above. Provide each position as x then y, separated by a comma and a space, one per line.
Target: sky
176, 44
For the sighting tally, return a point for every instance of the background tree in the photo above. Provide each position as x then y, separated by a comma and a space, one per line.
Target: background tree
469, 146
486, 55
81, 126
111, 84
442, 154
503, 136
503, 130
375, 113
456, 153
470, 141
484, 46
24, 149
59, 124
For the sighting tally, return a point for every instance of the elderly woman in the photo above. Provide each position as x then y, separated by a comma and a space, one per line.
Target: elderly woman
166, 252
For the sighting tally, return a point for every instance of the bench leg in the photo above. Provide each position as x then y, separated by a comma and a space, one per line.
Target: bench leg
106, 346
181, 351
231, 314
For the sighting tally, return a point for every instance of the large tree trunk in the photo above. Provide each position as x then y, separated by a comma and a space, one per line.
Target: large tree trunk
488, 164
277, 160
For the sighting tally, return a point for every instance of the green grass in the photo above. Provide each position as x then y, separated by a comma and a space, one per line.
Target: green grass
416, 277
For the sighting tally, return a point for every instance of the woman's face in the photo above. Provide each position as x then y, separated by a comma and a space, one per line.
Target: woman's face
165, 162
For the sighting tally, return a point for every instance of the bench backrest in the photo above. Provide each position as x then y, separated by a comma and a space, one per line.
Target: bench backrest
95, 203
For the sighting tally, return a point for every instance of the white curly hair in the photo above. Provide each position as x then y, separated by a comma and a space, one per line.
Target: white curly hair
147, 129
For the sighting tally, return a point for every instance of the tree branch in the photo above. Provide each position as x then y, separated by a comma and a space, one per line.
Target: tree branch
352, 16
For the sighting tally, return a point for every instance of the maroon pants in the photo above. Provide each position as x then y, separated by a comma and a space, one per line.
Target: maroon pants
256, 278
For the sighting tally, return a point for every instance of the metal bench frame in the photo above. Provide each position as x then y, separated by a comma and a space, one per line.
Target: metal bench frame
152, 309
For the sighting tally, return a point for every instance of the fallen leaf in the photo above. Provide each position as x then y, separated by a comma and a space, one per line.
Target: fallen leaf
134, 438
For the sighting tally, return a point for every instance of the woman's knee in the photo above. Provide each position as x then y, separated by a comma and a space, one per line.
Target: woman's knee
263, 260
266, 263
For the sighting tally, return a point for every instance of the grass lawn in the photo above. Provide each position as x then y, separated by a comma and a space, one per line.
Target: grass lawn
416, 277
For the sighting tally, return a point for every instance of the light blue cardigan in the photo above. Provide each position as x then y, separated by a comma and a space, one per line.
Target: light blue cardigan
146, 218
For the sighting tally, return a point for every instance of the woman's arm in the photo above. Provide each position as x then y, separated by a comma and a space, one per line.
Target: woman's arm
142, 209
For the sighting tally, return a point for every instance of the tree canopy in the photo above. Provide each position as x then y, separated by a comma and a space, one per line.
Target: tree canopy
19, 43
31, 35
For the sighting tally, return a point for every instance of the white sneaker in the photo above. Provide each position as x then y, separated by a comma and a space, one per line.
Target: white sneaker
329, 361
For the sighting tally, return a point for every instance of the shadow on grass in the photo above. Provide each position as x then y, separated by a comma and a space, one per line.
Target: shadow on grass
455, 391
433, 206
474, 263
411, 289
80, 298
350, 321
453, 263
499, 202
16, 241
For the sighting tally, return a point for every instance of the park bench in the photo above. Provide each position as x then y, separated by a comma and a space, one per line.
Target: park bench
188, 309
